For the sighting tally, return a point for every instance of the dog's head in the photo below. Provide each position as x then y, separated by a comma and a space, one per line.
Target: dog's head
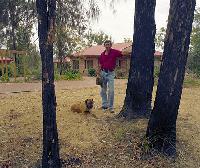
89, 103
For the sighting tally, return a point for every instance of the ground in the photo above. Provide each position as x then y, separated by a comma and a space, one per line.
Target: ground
98, 140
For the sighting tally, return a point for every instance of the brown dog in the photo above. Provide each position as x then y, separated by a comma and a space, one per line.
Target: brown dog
83, 107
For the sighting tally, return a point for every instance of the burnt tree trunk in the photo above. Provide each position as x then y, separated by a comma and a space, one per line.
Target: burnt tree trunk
46, 30
137, 103
161, 129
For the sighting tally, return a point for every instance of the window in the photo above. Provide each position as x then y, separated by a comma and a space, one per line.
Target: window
75, 64
88, 64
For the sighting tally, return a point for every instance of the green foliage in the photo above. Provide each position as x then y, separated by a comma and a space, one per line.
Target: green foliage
194, 54
68, 75
5, 78
16, 16
37, 74
57, 76
191, 81
96, 38
159, 38
10, 71
72, 75
128, 40
91, 72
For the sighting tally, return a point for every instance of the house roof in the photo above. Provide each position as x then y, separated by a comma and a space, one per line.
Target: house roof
5, 60
97, 50
67, 59
5, 51
156, 54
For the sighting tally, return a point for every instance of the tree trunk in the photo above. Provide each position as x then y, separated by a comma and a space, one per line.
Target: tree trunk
46, 27
13, 23
59, 33
137, 103
161, 129
61, 54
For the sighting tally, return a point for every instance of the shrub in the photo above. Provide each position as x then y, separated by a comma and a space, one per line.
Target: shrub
91, 72
71, 75
37, 74
4, 78
10, 71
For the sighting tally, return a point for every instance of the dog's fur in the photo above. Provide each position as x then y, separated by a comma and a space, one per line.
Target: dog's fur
83, 107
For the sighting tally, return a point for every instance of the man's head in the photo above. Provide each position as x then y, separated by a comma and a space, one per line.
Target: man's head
107, 44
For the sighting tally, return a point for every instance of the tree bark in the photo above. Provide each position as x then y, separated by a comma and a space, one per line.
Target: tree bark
61, 54
137, 103
46, 30
59, 33
13, 24
161, 130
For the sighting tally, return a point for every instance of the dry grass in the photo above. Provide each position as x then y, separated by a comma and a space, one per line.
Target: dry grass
88, 141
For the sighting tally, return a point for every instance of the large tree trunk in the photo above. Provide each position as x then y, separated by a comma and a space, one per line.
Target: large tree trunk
137, 103
46, 27
161, 129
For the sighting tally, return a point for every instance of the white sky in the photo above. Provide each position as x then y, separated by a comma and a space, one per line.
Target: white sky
120, 24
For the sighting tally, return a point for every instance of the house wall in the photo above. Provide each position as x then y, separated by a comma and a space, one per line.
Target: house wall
120, 71
83, 68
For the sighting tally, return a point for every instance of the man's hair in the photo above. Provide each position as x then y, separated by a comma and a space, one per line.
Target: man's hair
107, 41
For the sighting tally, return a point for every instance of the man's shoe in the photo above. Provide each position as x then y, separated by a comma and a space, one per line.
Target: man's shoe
111, 110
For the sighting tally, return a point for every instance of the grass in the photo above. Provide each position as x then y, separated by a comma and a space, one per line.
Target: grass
189, 82
87, 141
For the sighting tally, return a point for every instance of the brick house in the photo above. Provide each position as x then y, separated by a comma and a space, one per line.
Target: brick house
88, 58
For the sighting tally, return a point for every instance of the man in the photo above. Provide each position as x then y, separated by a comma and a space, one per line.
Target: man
107, 62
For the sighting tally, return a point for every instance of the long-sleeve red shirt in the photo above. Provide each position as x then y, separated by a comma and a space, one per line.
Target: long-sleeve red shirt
108, 62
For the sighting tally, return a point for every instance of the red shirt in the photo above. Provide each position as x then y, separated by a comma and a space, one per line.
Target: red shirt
108, 62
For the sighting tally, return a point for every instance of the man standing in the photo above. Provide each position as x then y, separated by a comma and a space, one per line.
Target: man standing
107, 63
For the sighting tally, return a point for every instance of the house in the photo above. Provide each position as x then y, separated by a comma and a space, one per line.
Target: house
88, 58
5, 60
65, 61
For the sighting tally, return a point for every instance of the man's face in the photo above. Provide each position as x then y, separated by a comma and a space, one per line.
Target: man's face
107, 46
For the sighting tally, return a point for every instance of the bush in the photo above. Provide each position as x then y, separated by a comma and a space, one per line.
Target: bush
4, 78
91, 72
71, 75
37, 74
193, 63
57, 76
10, 71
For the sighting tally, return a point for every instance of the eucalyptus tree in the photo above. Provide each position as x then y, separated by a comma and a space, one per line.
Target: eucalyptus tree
137, 103
72, 20
17, 18
194, 54
161, 130
46, 31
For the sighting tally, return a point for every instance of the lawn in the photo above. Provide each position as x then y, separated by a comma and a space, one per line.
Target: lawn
97, 140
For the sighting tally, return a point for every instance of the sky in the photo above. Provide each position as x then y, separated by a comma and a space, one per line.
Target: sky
120, 24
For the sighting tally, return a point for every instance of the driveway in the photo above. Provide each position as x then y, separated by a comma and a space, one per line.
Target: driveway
6, 88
